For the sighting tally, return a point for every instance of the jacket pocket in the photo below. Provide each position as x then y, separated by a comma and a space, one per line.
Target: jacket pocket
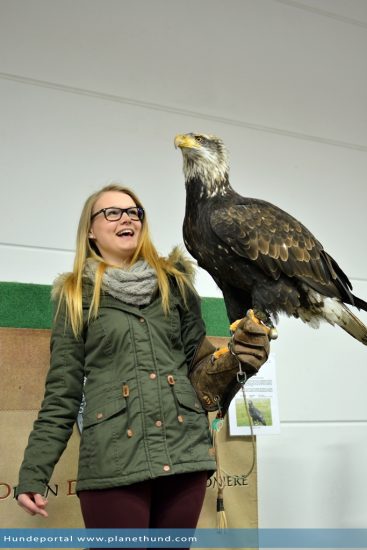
104, 430
103, 412
183, 396
192, 439
189, 401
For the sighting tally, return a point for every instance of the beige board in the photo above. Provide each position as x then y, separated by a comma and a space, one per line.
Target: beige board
24, 360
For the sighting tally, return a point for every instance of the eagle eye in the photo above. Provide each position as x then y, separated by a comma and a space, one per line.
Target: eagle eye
200, 139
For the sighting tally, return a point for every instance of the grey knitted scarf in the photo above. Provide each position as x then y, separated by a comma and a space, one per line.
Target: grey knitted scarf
135, 285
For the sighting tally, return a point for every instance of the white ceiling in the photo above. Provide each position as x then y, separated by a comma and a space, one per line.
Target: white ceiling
284, 65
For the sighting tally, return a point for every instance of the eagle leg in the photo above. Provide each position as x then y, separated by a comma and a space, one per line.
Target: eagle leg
260, 318
257, 317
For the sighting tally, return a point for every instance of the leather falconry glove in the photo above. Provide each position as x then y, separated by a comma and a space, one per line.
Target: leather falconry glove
213, 374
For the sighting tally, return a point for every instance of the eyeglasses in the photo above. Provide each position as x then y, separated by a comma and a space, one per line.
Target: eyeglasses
114, 214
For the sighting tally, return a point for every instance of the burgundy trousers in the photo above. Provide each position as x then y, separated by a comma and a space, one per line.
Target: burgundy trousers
162, 503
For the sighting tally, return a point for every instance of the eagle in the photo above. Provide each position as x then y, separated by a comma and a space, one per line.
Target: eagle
262, 258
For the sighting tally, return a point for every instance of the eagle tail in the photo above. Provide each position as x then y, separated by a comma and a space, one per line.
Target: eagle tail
338, 313
359, 303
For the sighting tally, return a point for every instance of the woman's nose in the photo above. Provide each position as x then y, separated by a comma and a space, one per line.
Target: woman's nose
125, 217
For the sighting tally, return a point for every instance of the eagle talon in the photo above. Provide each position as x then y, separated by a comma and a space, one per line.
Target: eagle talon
261, 319
219, 352
233, 326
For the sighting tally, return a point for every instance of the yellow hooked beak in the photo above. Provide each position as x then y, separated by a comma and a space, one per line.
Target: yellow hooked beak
187, 141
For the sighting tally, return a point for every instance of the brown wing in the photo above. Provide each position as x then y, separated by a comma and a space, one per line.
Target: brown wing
273, 240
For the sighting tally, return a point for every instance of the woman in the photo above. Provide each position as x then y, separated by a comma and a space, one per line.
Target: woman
127, 323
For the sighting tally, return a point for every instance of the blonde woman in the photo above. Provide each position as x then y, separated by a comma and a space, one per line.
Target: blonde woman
128, 322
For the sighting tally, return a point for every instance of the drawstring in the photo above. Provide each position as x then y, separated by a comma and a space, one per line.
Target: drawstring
171, 382
217, 425
126, 394
221, 514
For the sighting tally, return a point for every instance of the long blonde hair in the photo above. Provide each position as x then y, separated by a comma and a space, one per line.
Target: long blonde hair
71, 290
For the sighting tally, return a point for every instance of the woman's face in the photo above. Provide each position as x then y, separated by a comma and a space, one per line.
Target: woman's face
116, 240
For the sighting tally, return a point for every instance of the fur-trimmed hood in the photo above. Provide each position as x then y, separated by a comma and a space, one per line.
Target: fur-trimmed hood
181, 261
58, 285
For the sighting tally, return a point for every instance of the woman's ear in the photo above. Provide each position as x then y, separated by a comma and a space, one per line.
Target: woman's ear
91, 234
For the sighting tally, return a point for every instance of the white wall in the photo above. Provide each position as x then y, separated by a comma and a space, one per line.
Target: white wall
94, 91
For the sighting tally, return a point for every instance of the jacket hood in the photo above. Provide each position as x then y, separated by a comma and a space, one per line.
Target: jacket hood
182, 262
58, 284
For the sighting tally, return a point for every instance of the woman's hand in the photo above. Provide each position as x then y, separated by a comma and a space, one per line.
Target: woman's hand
33, 503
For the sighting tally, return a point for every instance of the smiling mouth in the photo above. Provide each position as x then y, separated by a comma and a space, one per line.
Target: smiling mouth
125, 233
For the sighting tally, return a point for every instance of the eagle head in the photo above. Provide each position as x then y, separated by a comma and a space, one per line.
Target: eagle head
205, 159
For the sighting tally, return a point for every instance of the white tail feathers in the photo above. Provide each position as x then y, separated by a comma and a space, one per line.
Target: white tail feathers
333, 311
337, 313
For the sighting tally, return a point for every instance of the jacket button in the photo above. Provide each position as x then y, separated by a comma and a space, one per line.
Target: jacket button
166, 468
99, 416
152, 376
142, 320
158, 423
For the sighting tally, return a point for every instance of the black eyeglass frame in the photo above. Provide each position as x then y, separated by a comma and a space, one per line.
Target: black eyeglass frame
139, 209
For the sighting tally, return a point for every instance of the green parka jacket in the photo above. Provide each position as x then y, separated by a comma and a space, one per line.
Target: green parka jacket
142, 418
